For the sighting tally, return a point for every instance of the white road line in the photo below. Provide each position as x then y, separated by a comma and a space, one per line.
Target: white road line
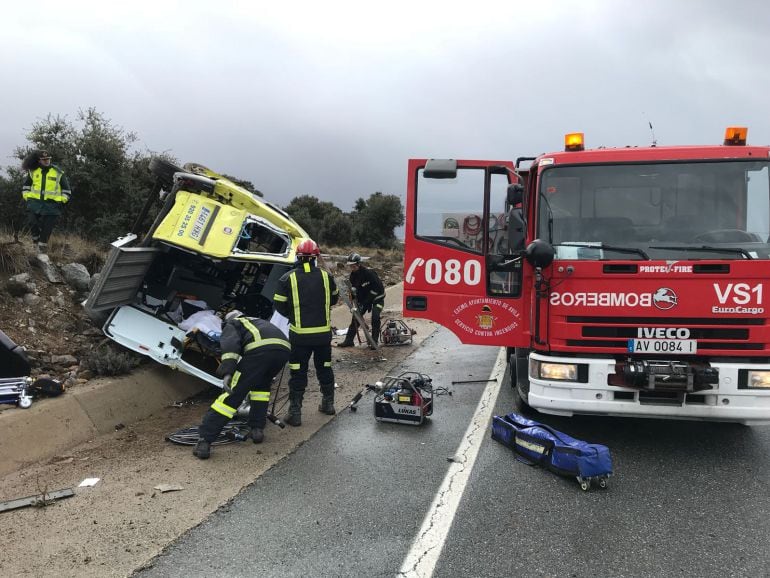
426, 548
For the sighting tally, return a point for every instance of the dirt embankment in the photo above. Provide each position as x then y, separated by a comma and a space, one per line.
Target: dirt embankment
123, 521
48, 320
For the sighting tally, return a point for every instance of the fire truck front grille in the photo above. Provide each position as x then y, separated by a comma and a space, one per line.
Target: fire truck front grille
668, 321
721, 334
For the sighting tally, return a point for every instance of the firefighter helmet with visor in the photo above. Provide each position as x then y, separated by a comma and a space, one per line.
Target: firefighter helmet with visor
308, 248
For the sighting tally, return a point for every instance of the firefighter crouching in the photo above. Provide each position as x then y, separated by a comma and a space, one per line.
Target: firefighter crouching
305, 295
253, 352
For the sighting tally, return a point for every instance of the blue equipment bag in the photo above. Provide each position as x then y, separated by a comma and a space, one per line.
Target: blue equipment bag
538, 444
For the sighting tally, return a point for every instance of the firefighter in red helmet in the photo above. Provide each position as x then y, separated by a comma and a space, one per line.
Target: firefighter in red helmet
305, 295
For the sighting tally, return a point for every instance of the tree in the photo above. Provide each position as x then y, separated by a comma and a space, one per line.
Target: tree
337, 230
109, 181
322, 220
248, 185
13, 215
375, 220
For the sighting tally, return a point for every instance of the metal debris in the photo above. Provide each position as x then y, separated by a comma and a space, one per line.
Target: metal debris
38, 500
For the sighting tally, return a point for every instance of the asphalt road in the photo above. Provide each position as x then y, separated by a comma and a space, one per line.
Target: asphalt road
687, 499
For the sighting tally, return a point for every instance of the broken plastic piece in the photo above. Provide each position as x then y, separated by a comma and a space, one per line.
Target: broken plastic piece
163, 488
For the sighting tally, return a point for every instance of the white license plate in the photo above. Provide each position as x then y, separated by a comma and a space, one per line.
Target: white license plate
200, 222
675, 346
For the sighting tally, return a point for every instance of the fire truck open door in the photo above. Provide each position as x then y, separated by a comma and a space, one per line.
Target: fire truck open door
463, 256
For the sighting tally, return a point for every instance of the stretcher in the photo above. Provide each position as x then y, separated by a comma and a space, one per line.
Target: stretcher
14, 370
16, 390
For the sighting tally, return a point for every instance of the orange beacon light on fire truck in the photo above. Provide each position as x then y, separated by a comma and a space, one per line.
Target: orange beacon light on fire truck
736, 135
573, 141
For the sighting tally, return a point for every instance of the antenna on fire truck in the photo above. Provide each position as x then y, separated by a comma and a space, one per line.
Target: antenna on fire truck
654, 142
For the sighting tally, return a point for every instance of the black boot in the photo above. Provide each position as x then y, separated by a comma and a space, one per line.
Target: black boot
327, 405
346, 343
257, 435
294, 417
202, 450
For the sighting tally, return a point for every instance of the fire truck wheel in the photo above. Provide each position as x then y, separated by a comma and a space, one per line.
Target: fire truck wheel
517, 365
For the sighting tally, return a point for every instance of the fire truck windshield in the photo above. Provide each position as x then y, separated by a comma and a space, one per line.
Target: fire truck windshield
673, 210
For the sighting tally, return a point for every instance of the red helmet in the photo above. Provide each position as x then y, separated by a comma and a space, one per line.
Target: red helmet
308, 248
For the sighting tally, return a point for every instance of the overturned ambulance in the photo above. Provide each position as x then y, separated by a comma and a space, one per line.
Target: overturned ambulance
213, 247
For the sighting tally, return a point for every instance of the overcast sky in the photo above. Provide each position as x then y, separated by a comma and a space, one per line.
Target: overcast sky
331, 98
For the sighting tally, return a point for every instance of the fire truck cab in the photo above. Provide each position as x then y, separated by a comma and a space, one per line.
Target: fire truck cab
623, 282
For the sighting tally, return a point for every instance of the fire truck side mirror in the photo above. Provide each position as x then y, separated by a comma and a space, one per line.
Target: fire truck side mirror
517, 230
440, 169
539, 253
515, 194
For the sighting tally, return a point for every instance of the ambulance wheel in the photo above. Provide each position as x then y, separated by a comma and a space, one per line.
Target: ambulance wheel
197, 168
25, 402
585, 484
603, 482
164, 171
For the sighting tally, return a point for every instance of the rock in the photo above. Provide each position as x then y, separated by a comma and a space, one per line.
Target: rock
43, 262
19, 285
76, 276
31, 299
64, 360
86, 374
94, 279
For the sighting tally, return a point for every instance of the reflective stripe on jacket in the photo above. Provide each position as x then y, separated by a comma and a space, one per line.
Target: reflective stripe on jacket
246, 334
305, 295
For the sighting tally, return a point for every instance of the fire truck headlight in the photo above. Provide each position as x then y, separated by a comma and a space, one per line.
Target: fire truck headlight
559, 371
759, 379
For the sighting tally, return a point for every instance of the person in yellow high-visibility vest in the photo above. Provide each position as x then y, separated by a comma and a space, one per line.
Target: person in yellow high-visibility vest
46, 190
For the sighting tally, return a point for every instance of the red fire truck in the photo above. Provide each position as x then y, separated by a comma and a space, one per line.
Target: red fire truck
625, 282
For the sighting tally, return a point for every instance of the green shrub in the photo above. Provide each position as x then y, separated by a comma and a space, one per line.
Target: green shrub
108, 360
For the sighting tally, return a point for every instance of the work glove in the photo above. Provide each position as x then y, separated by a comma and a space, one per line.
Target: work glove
228, 366
226, 383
